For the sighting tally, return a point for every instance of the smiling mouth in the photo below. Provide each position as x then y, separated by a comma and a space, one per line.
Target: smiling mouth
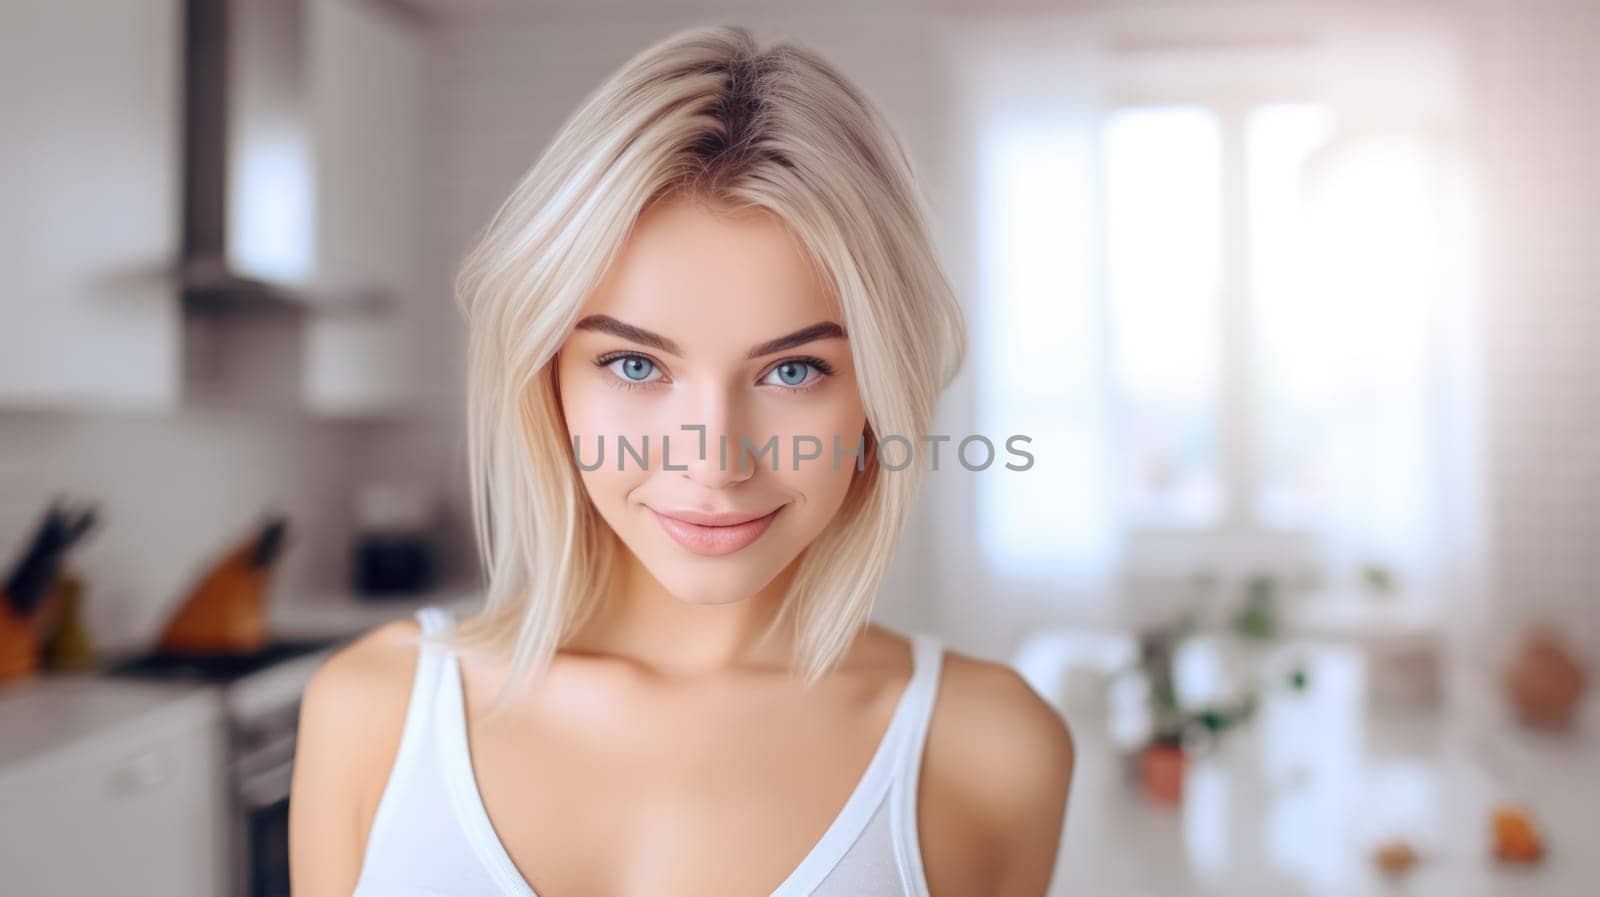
709, 535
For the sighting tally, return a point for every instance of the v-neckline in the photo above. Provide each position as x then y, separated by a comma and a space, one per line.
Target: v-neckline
870, 790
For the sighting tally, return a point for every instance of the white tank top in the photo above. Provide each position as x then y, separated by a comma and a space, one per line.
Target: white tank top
431, 834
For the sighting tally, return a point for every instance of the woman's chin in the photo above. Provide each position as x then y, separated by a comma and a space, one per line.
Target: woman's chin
711, 581
712, 589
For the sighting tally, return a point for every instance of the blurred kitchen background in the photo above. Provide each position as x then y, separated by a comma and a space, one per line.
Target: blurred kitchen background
1296, 303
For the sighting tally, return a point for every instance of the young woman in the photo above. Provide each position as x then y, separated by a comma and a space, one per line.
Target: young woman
706, 332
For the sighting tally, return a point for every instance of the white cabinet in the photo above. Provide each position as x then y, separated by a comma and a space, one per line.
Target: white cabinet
365, 74
91, 123
122, 790
89, 201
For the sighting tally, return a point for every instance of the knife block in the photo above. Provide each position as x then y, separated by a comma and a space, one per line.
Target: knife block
226, 612
19, 644
22, 638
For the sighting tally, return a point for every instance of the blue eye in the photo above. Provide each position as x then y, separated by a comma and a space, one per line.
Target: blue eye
797, 373
634, 368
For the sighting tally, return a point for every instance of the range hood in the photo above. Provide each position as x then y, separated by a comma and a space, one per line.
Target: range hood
250, 210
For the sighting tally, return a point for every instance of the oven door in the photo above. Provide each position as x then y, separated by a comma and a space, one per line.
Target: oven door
268, 846
263, 792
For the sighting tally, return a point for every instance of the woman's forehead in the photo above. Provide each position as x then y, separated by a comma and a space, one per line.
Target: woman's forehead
712, 280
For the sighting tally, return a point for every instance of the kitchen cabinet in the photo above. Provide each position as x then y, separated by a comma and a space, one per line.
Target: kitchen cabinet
111, 787
91, 96
365, 70
91, 111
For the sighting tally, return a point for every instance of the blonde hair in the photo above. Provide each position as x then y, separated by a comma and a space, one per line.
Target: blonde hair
704, 114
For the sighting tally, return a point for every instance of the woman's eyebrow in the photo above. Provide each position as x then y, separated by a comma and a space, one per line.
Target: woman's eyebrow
608, 324
823, 330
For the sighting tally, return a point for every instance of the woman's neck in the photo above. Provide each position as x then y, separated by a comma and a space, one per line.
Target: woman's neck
642, 621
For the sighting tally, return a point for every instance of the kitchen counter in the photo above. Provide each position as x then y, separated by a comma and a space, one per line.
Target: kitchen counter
1296, 801
176, 786
113, 786
335, 617
54, 717
343, 615
55, 714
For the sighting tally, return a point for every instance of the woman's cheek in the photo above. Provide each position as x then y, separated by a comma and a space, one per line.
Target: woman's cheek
595, 408
804, 432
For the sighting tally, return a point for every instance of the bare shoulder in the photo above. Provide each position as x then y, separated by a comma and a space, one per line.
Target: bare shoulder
355, 704
1001, 713
1000, 759
359, 676
351, 717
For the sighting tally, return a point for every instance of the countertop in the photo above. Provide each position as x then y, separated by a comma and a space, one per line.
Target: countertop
49, 715
1296, 801
53, 714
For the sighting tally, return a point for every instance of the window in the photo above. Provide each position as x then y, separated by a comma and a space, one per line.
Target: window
1226, 319
1270, 291
1164, 245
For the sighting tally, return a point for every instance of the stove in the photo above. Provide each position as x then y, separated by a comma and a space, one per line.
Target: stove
261, 693
215, 668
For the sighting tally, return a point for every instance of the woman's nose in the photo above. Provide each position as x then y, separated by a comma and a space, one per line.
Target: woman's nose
711, 435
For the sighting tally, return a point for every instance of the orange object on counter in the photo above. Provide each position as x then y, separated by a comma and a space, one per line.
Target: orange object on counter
22, 639
1516, 838
1546, 681
1396, 857
226, 613
19, 643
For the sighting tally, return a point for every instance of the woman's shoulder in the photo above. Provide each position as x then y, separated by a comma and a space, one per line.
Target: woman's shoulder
370, 672
982, 693
999, 758
352, 714
354, 707
997, 726
995, 700
992, 717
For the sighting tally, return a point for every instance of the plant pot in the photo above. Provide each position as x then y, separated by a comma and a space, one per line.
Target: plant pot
1161, 766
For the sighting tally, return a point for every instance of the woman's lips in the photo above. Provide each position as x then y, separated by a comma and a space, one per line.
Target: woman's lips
713, 534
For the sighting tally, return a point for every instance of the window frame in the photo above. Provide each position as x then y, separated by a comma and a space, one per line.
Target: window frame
1238, 543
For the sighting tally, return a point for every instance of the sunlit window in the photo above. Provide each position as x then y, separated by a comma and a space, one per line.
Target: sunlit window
1163, 233
1041, 336
1223, 324
1291, 350
1343, 253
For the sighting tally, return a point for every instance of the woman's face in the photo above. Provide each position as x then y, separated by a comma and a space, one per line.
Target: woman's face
712, 321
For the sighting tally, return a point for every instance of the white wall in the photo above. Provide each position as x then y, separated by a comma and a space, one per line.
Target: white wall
174, 491
1538, 128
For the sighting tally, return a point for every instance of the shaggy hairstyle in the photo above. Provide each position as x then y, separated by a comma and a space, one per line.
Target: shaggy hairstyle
706, 115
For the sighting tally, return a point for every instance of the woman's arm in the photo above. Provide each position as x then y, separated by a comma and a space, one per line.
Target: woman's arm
1029, 792
351, 717
999, 766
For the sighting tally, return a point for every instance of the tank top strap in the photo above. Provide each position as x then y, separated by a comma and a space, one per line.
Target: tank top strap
922, 695
434, 620
928, 656
412, 755
431, 663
